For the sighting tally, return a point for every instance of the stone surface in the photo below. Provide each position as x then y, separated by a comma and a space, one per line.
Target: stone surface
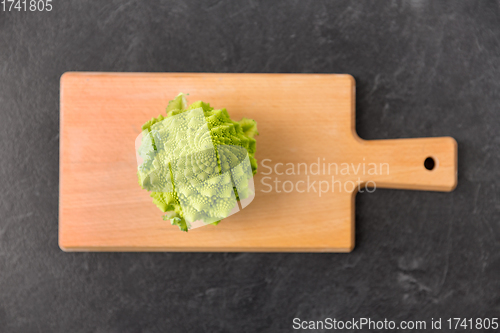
423, 68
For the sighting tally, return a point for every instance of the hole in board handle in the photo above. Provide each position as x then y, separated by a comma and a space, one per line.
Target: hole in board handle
429, 163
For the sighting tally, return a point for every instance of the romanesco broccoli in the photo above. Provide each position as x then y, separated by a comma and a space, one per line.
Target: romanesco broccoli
197, 162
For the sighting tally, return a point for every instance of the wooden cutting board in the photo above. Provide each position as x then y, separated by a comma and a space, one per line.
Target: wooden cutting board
306, 121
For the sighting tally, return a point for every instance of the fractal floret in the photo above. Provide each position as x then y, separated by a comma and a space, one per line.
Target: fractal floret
197, 162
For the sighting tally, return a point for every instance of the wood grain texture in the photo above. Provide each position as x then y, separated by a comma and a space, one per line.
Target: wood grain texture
302, 118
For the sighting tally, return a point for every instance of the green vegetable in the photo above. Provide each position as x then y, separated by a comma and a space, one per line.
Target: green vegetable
197, 162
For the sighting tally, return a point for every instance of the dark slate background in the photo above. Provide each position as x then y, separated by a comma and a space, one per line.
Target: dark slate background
422, 68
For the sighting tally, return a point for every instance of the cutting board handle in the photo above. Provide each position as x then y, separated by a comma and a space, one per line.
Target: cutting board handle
401, 163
